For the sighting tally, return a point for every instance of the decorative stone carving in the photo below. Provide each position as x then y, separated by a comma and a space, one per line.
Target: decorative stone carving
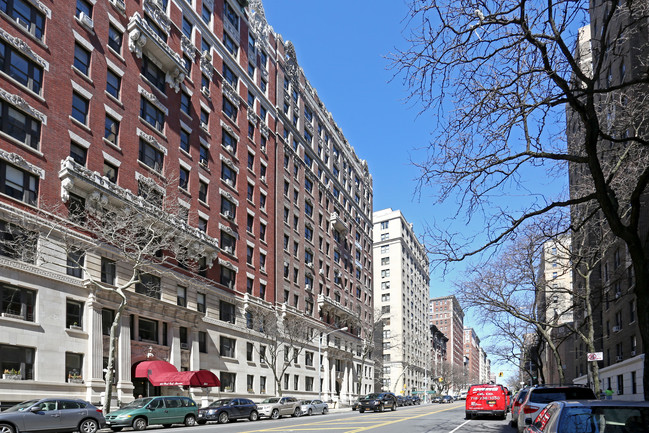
258, 21
20, 103
136, 40
263, 129
229, 196
153, 99
228, 230
154, 10
175, 78
292, 67
119, 4
228, 265
229, 130
151, 140
24, 48
41, 7
230, 93
227, 161
206, 64
67, 185
187, 47
20, 162
252, 116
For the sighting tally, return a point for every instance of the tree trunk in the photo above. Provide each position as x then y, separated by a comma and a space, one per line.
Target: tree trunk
112, 346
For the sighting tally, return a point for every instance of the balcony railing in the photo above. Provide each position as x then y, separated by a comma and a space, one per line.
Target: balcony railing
143, 39
326, 304
338, 223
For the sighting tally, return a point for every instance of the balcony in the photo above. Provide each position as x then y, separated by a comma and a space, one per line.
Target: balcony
143, 39
287, 309
338, 223
328, 305
100, 192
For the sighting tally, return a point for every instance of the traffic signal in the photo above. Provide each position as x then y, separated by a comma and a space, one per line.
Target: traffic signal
441, 379
500, 374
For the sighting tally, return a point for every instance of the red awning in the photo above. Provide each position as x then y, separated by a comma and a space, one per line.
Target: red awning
162, 373
199, 378
154, 368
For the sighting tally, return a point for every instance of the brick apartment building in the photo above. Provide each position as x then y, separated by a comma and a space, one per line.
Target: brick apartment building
100, 99
472, 355
447, 315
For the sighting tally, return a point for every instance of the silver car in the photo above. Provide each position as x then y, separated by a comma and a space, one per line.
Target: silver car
52, 414
276, 407
539, 396
310, 407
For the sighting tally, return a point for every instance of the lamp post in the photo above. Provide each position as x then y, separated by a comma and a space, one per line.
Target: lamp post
344, 328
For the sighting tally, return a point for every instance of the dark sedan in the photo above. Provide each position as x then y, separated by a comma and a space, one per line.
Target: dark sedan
70, 414
378, 402
225, 409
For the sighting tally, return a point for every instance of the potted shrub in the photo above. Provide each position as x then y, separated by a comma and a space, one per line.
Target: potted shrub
12, 374
75, 378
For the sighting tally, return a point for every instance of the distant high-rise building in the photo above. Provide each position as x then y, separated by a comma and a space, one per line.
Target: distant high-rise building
401, 287
472, 355
448, 316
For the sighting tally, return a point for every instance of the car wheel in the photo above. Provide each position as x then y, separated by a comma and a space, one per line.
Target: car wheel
6, 428
361, 410
297, 412
310, 412
325, 410
254, 416
381, 408
139, 424
224, 418
88, 426
274, 414
394, 407
190, 420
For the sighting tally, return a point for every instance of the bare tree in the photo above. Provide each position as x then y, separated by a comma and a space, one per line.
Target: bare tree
283, 335
500, 77
148, 233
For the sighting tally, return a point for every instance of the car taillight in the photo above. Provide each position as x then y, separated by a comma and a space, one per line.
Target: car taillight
99, 410
529, 409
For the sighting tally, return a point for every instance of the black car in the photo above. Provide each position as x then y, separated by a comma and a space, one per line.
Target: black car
409, 400
225, 409
446, 399
416, 399
356, 405
378, 402
401, 400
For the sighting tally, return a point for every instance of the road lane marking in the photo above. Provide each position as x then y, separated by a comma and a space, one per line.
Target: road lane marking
398, 420
460, 426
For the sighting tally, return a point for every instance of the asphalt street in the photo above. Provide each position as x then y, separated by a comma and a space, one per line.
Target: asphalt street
431, 418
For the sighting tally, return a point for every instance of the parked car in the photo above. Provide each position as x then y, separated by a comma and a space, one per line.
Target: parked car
356, 405
409, 400
225, 409
592, 416
378, 402
539, 396
38, 416
163, 410
276, 407
436, 399
447, 399
517, 402
310, 407
416, 399
486, 399
401, 400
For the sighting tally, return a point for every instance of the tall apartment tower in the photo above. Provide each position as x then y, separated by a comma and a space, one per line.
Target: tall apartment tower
472, 355
448, 316
123, 102
614, 306
401, 289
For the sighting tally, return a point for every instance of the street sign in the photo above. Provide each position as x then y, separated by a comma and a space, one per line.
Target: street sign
430, 392
596, 356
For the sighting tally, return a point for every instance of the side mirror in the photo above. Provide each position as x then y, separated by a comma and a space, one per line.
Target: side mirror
35, 409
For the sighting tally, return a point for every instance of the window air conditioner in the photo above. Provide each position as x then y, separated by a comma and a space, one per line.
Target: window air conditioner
228, 215
86, 21
616, 329
618, 358
205, 91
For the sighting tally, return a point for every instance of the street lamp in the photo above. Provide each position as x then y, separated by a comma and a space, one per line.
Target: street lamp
344, 328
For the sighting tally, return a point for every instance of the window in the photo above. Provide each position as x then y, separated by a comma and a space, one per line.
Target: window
227, 312
308, 358
262, 232
251, 192
227, 346
286, 378
229, 141
110, 171
113, 84
251, 161
227, 277
200, 303
229, 109
19, 125
249, 285
187, 28
26, 15
228, 243
185, 103
151, 156
108, 271
296, 382
19, 359
228, 175
148, 330
206, 14
183, 178
153, 73
263, 85
107, 318
204, 156
262, 262
202, 341
230, 45
80, 106
149, 285
78, 153
230, 76
250, 220
205, 119
75, 262
114, 39
73, 313
228, 209
81, 59
205, 84
181, 297
17, 302
83, 6
231, 15
249, 351
111, 129
249, 254
262, 201
183, 337
152, 114
20, 68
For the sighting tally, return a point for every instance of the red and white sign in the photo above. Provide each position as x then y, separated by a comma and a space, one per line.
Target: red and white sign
596, 356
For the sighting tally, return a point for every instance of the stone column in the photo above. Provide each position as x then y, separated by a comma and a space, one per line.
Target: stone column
324, 374
94, 362
332, 375
124, 384
174, 355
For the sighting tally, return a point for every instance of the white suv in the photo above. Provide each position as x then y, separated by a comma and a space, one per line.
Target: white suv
539, 396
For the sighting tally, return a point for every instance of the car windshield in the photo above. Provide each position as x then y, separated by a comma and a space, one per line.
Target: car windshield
271, 400
557, 394
371, 396
222, 402
21, 406
603, 418
140, 402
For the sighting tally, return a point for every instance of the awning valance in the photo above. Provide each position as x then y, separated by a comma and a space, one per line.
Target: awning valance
162, 373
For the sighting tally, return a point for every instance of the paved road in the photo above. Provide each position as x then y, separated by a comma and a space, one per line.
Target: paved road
433, 418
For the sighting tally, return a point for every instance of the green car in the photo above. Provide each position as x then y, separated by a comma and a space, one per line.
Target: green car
147, 411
